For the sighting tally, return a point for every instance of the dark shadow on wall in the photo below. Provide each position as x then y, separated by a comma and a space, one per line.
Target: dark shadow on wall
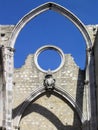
96, 69
34, 107
79, 92
1, 128
48, 115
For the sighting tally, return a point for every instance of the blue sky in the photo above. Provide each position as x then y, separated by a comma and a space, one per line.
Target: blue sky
49, 28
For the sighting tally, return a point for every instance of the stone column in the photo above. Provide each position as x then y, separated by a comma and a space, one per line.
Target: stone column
7, 55
90, 91
1, 89
93, 121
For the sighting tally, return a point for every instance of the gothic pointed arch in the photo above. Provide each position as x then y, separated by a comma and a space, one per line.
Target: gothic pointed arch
66, 96
8, 70
49, 6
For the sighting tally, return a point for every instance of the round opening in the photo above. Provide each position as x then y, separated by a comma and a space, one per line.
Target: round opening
49, 58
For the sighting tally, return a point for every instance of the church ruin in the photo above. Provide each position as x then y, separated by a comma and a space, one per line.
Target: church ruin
62, 99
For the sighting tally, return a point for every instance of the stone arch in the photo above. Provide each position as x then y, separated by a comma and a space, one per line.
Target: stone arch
8, 66
49, 6
42, 90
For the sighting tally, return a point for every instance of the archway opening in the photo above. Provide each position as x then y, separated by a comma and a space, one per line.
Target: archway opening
50, 28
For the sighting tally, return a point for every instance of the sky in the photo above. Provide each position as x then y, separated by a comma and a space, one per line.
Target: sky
49, 28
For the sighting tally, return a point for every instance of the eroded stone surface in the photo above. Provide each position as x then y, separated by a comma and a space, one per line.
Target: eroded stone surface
29, 78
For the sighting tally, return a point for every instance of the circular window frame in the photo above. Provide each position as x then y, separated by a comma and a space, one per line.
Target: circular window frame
49, 47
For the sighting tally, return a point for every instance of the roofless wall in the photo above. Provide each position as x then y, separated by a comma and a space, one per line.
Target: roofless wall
48, 86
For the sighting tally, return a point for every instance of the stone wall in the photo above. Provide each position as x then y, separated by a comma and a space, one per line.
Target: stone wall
51, 112
5, 33
46, 111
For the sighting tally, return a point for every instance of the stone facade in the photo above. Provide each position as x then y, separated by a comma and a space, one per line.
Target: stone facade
38, 114
30, 99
